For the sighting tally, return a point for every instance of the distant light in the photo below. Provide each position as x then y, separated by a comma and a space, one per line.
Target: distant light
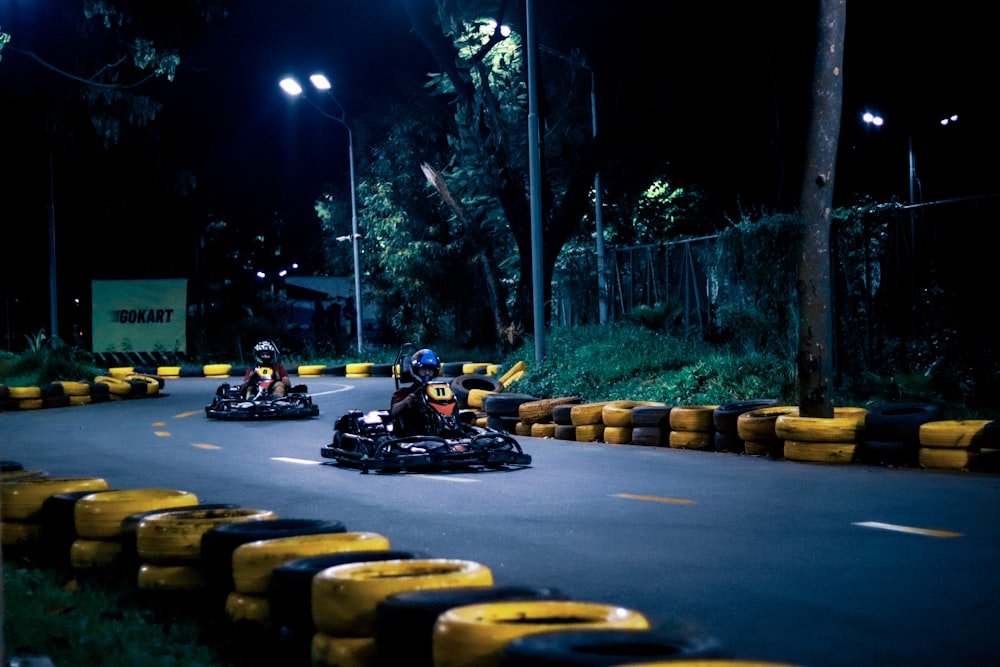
950, 119
282, 273
290, 86
492, 26
872, 119
261, 275
320, 81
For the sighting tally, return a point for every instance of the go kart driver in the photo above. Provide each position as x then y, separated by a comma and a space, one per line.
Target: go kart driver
265, 354
404, 406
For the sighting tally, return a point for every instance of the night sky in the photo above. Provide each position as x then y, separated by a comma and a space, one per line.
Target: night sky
704, 80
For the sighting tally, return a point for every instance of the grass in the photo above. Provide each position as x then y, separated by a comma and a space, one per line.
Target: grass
105, 624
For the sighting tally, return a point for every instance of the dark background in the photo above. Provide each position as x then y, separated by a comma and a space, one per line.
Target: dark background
722, 91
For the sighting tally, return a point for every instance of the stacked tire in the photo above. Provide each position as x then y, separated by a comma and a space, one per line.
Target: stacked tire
892, 433
829, 440
693, 427
952, 444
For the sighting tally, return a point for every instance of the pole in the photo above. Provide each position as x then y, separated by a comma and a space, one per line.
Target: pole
53, 288
355, 239
535, 192
602, 280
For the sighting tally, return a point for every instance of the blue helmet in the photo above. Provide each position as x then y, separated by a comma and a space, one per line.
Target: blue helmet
425, 359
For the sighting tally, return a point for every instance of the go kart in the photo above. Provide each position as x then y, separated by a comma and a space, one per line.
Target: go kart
258, 402
450, 440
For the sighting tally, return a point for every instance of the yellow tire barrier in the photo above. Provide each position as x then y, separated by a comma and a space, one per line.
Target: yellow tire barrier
254, 562
217, 370
512, 379
947, 458
819, 452
956, 434
693, 418
542, 430
476, 396
87, 553
153, 577
519, 367
22, 499
176, 535
361, 369
169, 371
817, 429
589, 432
475, 635
71, 388
314, 370
120, 371
585, 414
533, 412
698, 440
25, 392
116, 385
100, 515
344, 597
619, 413
153, 383
758, 425
618, 435
473, 368
250, 608
327, 651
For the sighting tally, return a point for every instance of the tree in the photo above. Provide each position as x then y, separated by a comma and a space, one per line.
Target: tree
815, 352
482, 72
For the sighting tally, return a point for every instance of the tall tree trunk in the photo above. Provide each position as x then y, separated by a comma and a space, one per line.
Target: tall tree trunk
814, 360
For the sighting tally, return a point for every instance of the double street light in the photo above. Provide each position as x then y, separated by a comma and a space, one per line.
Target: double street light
877, 121
322, 84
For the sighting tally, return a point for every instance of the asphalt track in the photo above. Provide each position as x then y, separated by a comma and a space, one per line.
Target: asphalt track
788, 562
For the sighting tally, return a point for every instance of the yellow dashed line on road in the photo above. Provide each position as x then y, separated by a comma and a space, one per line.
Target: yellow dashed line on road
929, 532
162, 434
202, 445
655, 499
189, 414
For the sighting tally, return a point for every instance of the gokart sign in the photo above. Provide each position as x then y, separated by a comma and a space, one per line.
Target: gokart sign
139, 315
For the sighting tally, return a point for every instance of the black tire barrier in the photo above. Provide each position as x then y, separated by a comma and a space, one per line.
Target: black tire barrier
218, 544
404, 622
725, 416
583, 648
290, 589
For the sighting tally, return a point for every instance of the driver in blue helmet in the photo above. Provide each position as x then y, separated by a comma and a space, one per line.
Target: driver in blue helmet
404, 405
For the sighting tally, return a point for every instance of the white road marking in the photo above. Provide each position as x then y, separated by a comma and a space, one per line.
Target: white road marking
291, 460
445, 478
907, 529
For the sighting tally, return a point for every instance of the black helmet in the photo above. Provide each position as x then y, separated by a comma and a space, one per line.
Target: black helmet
425, 359
265, 353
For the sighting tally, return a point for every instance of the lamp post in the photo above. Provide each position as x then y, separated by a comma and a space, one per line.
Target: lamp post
322, 84
877, 121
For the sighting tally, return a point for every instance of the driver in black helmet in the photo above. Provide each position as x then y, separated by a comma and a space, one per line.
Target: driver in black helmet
265, 354
404, 404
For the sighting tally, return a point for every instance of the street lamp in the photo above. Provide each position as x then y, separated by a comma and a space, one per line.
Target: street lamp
322, 84
877, 121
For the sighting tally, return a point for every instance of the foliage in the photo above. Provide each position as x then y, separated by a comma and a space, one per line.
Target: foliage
662, 316
587, 362
753, 290
74, 624
46, 360
117, 46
